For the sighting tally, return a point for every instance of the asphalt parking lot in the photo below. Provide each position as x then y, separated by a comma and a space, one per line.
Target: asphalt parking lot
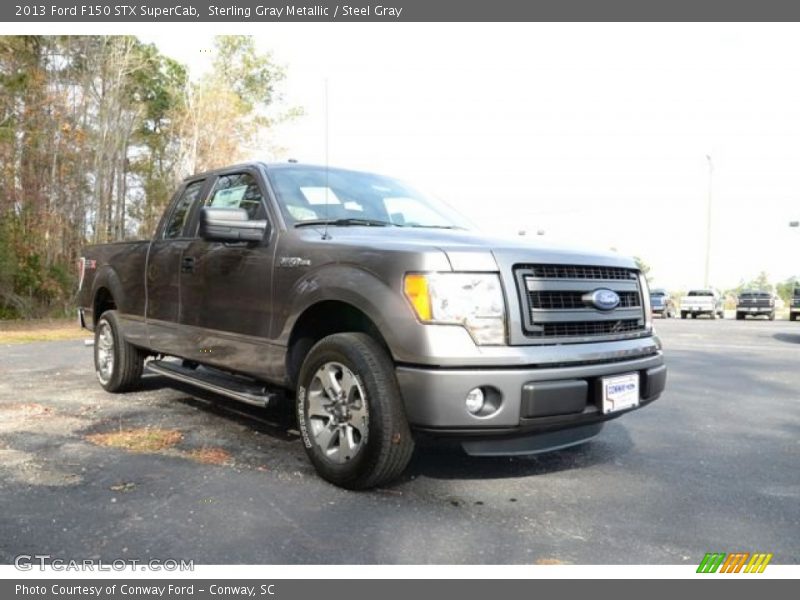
714, 465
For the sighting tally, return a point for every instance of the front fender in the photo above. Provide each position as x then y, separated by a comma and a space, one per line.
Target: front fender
381, 302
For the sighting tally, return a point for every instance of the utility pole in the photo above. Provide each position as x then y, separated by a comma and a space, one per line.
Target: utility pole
708, 221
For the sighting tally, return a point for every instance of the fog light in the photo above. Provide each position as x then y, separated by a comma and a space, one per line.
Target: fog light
475, 400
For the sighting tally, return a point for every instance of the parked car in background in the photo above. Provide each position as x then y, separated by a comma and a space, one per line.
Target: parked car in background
662, 304
705, 301
755, 303
794, 304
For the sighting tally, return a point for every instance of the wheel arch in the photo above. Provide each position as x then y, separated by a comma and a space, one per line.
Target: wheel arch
106, 293
321, 319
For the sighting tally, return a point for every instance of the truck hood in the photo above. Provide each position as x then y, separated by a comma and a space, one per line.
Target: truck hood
469, 250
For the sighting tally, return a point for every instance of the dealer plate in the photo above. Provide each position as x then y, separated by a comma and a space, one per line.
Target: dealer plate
620, 392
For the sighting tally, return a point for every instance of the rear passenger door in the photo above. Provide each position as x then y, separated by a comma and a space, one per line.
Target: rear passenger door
163, 268
226, 288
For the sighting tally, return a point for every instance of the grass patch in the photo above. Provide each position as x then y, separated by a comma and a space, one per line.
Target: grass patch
44, 330
145, 439
209, 456
550, 561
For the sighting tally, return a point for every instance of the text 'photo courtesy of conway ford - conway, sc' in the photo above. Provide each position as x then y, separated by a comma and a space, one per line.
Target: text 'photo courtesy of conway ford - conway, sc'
380, 311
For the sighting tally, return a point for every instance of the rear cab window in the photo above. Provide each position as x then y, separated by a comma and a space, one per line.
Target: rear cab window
177, 218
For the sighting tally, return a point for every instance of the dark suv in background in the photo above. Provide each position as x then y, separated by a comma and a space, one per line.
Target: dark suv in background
794, 304
662, 304
755, 303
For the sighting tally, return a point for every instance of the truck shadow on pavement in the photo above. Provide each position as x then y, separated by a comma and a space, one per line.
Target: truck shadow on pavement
275, 421
789, 338
448, 461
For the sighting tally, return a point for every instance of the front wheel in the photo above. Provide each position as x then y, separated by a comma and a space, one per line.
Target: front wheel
350, 412
683, 314
117, 363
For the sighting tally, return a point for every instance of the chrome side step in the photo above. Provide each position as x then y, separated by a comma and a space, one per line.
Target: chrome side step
215, 381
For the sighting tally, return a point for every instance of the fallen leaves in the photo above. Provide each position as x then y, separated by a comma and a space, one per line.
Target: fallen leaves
143, 439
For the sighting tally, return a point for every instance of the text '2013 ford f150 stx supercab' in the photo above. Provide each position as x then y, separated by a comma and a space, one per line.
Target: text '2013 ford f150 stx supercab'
379, 311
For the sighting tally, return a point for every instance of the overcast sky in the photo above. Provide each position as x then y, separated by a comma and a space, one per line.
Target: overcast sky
594, 133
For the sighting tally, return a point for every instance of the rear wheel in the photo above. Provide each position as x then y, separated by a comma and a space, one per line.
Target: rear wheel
739, 316
683, 314
350, 412
793, 316
117, 363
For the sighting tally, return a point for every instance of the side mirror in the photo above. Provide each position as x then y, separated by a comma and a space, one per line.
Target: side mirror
230, 225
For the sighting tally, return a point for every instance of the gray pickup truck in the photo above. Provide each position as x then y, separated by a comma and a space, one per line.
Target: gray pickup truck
378, 312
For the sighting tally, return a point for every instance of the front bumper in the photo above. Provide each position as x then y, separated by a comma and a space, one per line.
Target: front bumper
755, 310
531, 400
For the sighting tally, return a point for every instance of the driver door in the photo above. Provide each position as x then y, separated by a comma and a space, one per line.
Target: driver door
226, 288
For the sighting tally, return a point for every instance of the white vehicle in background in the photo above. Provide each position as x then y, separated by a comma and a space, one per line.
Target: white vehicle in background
704, 301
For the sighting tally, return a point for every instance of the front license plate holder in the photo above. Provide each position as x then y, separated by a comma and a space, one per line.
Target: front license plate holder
620, 392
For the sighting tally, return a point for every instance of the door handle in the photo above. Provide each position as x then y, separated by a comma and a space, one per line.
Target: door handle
187, 264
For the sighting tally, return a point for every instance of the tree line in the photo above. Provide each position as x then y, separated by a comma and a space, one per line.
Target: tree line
95, 133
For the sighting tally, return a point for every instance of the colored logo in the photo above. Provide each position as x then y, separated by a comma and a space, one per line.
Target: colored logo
738, 562
602, 299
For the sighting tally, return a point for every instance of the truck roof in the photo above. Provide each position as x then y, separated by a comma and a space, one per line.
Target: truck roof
267, 165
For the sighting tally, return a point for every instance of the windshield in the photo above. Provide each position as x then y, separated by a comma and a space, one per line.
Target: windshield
315, 195
701, 293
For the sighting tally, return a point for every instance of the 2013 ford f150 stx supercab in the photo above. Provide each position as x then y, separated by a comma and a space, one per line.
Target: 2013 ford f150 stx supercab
379, 311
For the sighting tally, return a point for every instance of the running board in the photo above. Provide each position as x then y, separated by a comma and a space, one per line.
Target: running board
215, 381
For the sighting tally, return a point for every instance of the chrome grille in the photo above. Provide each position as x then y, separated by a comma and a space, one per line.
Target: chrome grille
553, 306
582, 328
573, 300
578, 272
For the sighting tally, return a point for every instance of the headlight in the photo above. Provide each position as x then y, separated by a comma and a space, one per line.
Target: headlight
473, 300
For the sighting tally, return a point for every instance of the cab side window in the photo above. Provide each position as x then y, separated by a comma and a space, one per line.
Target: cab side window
239, 190
177, 219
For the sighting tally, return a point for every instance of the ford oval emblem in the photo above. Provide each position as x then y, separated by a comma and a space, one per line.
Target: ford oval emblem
602, 299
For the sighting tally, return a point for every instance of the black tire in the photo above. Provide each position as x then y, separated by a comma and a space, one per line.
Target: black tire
792, 316
683, 315
772, 316
739, 316
694, 315
125, 371
386, 446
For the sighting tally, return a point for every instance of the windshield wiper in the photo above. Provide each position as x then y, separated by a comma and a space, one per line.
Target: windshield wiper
343, 222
